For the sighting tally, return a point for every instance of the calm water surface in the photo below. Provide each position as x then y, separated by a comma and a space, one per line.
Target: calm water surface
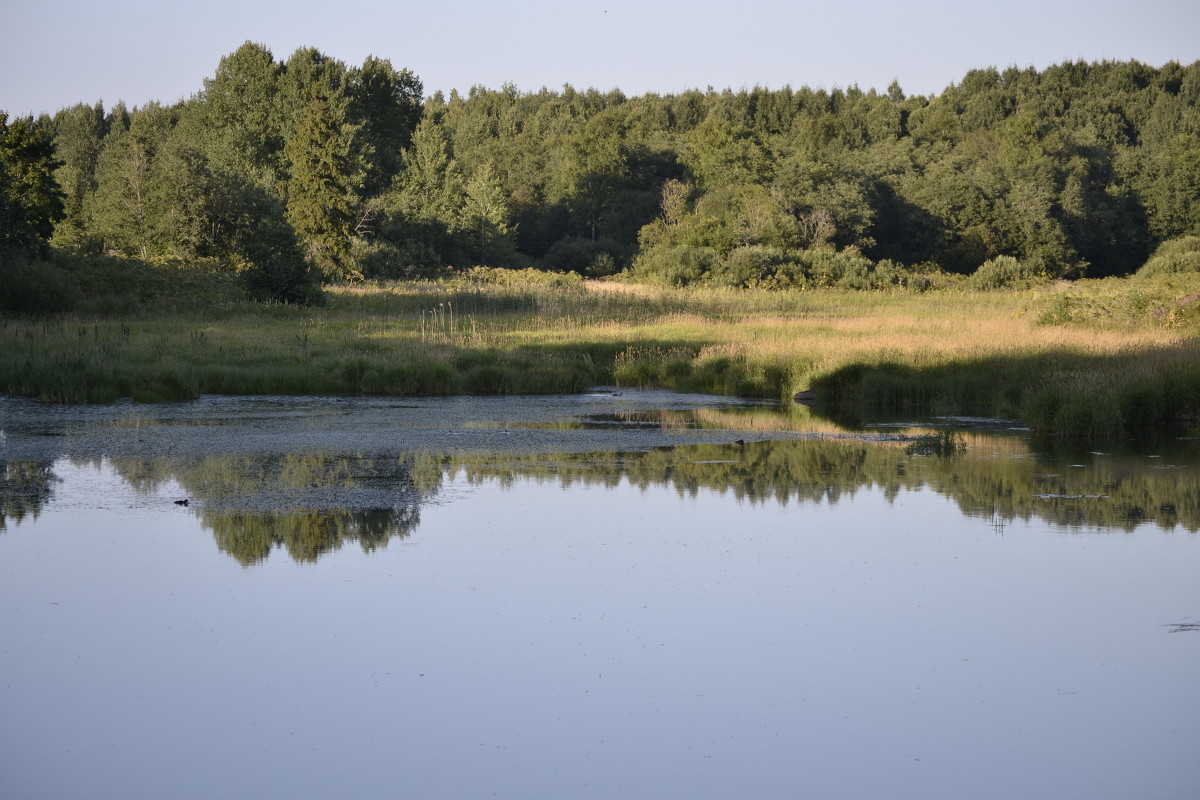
593, 596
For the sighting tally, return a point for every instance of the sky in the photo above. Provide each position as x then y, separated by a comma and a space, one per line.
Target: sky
56, 54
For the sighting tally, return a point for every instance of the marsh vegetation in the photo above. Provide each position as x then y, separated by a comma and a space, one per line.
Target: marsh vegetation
1090, 357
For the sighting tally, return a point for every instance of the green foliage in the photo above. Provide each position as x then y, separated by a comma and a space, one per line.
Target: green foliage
277, 270
680, 265
238, 115
109, 286
828, 200
752, 265
387, 104
1167, 180
30, 286
585, 256
31, 201
1174, 255
1004, 272
78, 139
1077, 169
489, 276
323, 176
765, 266
1165, 300
123, 212
485, 218
722, 153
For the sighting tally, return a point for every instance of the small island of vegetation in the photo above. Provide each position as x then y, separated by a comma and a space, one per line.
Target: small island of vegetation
1025, 244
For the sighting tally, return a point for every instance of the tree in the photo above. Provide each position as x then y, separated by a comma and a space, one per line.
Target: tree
676, 197
485, 217
239, 114
591, 172
1168, 183
431, 185
828, 200
721, 154
187, 199
307, 73
31, 201
122, 212
387, 104
78, 138
324, 176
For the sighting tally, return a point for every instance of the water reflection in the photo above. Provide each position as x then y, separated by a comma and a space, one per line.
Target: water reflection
308, 503
25, 487
987, 476
306, 536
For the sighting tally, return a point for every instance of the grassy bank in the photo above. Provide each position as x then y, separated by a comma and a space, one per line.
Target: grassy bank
1086, 358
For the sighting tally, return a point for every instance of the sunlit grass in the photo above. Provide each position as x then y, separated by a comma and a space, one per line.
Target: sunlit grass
1089, 357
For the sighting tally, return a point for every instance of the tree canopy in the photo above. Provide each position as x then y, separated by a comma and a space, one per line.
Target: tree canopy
31, 201
1078, 169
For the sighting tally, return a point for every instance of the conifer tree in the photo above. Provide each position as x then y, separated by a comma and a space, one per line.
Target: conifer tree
320, 190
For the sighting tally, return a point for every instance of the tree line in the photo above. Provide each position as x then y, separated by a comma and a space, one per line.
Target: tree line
308, 170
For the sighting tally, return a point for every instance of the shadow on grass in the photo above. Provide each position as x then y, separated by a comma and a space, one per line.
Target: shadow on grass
1059, 391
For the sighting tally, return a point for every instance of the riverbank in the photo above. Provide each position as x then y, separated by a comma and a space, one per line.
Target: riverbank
1086, 358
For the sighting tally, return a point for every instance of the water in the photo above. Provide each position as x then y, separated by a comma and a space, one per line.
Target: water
597, 596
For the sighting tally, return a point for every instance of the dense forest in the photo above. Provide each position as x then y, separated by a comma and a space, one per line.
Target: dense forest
306, 170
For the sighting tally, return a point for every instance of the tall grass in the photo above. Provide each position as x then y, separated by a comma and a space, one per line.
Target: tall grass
1094, 357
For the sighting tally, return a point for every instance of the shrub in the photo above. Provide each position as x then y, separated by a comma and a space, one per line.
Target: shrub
522, 278
278, 271
1004, 271
33, 287
830, 267
862, 274
593, 258
1173, 255
748, 266
676, 266
382, 260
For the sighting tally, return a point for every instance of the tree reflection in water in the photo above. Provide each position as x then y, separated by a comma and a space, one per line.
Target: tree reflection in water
307, 535
312, 503
989, 476
306, 503
25, 487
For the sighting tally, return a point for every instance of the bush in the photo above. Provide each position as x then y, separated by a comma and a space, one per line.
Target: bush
862, 274
278, 271
1004, 271
826, 266
382, 260
1173, 255
28, 286
593, 258
749, 266
676, 266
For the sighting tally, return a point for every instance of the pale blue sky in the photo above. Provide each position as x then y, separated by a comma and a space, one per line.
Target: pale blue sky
54, 54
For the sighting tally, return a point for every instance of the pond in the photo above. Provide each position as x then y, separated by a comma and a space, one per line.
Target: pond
618, 594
